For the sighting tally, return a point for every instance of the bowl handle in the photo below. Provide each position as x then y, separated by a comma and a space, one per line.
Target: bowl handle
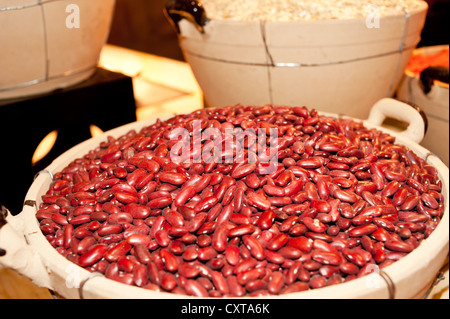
16, 254
192, 10
406, 112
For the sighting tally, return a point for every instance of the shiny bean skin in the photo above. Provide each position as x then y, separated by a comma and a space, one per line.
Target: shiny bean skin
94, 254
215, 219
266, 219
220, 282
114, 253
254, 246
193, 288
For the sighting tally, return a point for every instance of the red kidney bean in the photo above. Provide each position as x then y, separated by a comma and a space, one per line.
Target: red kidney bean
109, 229
314, 225
277, 242
177, 247
80, 219
142, 253
295, 287
326, 257
243, 170
174, 218
381, 234
241, 230
168, 281
258, 201
183, 196
162, 238
429, 200
169, 260
119, 218
354, 257
244, 265
346, 196
274, 257
349, 268
193, 288
219, 238
277, 283
392, 175
293, 188
410, 202
235, 288
302, 243
140, 276
232, 254
160, 202
206, 204
94, 254
59, 219
114, 253
153, 273
194, 224
254, 246
362, 230
139, 239
266, 219
321, 205
83, 210
239, 219
126, 198
191, 253
172, 178
272, 190
83, 245
207, 227
206, 253
290, 252
398, 245
188, 270
220, 282
137, 211
252, 274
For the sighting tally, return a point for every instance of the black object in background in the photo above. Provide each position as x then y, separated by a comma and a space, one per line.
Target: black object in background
105, 100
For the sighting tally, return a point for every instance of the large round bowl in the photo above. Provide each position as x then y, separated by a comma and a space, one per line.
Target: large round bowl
29, 252
50, 44
339, 66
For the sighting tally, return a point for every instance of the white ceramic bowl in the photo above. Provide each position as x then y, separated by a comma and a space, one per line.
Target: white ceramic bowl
337, 66
47, 45
29, 252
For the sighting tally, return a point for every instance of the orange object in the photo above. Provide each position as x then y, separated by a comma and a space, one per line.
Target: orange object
421, 61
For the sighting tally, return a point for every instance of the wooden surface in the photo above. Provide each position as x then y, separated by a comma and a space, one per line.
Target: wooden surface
16, 286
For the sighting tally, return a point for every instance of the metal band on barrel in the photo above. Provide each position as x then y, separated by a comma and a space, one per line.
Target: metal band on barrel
45, 171
390, 284
85, 280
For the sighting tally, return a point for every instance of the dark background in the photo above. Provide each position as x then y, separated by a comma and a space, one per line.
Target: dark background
141, 25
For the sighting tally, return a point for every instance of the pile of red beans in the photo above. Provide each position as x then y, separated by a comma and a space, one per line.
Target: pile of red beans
342, 201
